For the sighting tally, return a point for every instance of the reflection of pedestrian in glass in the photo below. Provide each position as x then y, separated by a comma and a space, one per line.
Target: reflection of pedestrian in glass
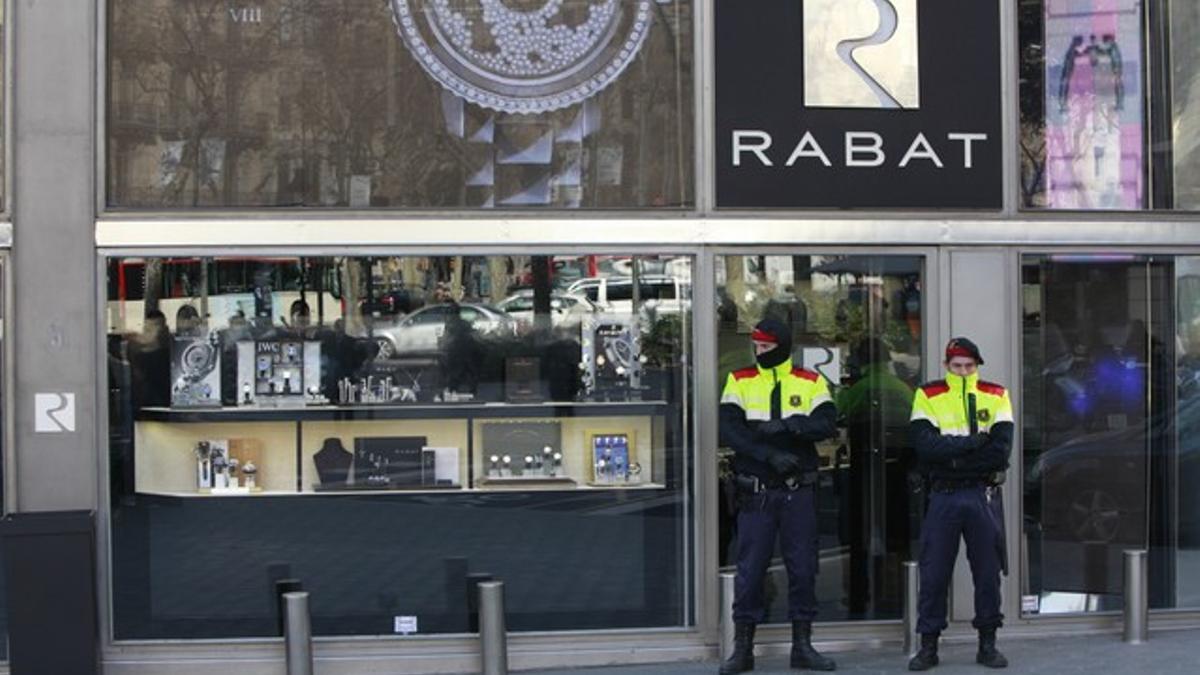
463, 355
301, 315
772, 414
150, 361
187, 321
875, 410
962, 428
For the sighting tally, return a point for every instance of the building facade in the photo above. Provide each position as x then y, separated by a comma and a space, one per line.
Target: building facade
392, 298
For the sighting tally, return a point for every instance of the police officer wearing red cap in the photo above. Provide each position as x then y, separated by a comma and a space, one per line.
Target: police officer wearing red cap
962, 429
772, 414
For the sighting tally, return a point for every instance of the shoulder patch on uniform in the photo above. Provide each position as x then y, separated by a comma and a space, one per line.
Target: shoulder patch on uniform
745, 373
805, 374
990, 388
934, 388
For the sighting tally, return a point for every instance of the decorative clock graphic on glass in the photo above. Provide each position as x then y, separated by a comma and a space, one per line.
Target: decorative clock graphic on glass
523, 56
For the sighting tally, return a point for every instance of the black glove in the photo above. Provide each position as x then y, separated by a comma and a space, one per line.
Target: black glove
980, 440
772, 427
784, 463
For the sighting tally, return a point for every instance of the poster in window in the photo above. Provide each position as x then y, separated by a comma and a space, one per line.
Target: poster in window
1094, 117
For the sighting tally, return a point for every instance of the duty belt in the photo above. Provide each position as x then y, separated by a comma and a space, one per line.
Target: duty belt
753, 484
948, 485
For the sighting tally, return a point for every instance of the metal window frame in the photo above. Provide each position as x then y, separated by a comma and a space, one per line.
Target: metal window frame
7, 128
7, 385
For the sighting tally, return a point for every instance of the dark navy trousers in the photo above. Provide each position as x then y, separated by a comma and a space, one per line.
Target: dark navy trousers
791, 517
953, 514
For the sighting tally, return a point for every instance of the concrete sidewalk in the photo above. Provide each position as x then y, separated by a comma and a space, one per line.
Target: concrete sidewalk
1167, 653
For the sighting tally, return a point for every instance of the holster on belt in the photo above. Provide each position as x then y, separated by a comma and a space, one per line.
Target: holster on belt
729, 490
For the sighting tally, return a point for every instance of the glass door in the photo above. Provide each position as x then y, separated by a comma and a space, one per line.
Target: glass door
1098, 424
858, 321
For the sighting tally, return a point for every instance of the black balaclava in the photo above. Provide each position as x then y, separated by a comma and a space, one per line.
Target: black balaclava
776, 331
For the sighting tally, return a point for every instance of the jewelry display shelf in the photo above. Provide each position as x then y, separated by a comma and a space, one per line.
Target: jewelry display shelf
413, 491
289, 433
457, 411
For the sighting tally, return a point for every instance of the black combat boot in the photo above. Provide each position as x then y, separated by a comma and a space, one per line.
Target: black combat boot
803, 654
988, 655
742, 658
927, 657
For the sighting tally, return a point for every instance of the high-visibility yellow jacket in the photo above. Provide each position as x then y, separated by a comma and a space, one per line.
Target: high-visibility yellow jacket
942, 431
796, 400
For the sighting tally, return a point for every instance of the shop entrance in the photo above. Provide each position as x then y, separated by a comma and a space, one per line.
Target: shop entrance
860, 322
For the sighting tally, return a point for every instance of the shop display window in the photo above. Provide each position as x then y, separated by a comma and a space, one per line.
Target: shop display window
1083, 111
858, 321
399, 104
1107, 104
389, 430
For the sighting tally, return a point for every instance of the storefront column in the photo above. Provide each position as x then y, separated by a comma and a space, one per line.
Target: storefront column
982, 306
53, 200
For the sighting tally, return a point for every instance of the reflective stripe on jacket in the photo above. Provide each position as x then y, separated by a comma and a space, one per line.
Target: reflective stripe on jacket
798, 397
941, 429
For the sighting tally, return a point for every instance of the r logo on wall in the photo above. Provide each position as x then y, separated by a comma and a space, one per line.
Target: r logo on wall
859, 55
54, 412
858, 104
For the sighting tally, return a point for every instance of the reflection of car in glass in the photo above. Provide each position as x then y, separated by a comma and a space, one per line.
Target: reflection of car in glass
565, 310
421, 332
1093, 487
666, 294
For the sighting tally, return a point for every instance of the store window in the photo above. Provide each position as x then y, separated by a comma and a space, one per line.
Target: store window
858, 321
1109, 413
400, 104
1083, 114
1107, 104
391, 430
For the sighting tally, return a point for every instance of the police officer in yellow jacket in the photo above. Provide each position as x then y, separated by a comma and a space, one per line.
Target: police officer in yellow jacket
962, 430
771, 416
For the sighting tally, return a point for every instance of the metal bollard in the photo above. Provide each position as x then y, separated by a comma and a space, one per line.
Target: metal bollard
493, 636
1137, 597
725, 621
473, 581
912, 585
282, 588
297, 634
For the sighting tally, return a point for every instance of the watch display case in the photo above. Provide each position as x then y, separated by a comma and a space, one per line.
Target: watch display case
412, 448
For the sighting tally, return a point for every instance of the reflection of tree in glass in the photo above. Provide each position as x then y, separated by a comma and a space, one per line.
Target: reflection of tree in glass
319, 103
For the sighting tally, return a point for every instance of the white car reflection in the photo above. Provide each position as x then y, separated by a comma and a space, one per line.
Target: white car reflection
565, 310
421, 332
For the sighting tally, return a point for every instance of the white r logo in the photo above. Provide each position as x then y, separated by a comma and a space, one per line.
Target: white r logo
53, 412
861, 54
